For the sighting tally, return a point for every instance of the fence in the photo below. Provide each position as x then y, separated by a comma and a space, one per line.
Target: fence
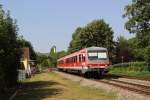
21, 75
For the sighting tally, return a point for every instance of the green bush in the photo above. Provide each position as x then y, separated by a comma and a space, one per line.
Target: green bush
147, 56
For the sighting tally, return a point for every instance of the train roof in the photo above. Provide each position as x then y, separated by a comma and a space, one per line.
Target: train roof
72, 54
96, 48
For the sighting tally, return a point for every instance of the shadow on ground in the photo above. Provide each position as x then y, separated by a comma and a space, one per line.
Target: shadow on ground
38, 90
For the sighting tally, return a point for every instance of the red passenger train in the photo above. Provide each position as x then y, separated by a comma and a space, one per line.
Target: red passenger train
92, 59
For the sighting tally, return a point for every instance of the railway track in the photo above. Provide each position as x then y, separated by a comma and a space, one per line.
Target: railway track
135, 87
137, 78
138, 88
129, 77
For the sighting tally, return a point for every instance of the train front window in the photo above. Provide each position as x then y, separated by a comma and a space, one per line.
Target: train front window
97, 55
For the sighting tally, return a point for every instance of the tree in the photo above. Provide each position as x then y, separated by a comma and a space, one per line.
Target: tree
61, 54
147, 56
138, 14
45, 64
75, 42
42, 60
53, 57
123, 51
24, 43
96, 33
9, 53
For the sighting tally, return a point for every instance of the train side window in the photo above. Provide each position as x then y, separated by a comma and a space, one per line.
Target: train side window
75, 59
60, 62
79, 58
71, 59
67, 60
83, 58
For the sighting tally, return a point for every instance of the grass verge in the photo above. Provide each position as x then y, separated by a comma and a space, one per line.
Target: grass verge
51, 86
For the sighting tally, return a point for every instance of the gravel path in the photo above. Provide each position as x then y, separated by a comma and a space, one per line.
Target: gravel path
121, 93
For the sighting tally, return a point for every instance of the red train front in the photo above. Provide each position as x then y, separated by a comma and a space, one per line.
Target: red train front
92, 59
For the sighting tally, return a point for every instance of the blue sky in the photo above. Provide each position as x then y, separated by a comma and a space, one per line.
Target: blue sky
52, 22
